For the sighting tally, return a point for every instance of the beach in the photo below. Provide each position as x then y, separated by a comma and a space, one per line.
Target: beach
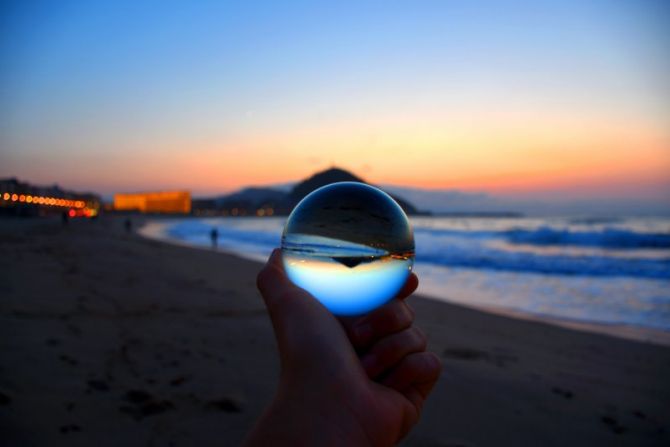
109, 338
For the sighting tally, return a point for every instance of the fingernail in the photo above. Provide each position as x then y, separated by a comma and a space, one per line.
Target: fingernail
363, 331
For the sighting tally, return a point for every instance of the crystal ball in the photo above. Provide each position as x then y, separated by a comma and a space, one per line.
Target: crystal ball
350, 245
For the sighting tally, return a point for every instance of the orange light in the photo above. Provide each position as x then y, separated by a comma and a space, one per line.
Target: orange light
22, 198
15, 197
79, 204
6, 196
29, 199
71, 213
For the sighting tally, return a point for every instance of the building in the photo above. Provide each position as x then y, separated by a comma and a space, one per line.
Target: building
170, 202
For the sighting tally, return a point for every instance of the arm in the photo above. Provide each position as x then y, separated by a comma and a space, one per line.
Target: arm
349, 381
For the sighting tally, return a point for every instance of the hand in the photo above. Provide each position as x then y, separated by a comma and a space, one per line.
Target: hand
349, 381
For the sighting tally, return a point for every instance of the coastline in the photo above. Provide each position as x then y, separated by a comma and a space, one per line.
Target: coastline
111, 338
154, 229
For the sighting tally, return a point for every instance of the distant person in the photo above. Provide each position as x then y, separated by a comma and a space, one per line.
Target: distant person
65, 217
214, 236
129, 225
353, 381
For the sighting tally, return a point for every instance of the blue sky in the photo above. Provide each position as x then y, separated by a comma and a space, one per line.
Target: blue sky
88, 86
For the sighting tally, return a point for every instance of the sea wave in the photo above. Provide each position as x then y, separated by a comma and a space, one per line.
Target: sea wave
607, 238
486, 258
473, 249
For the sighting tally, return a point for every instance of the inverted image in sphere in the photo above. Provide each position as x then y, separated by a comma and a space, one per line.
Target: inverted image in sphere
350, 245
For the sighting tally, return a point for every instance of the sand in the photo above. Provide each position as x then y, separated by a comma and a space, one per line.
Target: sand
107, 338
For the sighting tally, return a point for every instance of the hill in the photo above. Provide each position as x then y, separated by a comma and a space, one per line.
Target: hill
323, 178
269, 201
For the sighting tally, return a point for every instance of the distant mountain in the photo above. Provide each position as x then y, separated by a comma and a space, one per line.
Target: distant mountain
281, 198
320, 179
323, 178
269, 201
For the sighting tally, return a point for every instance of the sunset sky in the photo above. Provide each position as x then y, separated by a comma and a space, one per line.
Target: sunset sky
568, 98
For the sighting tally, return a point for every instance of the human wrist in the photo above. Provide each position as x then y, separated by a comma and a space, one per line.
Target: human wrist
297, 419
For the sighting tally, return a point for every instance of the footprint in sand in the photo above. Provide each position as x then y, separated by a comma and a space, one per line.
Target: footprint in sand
52, 342
469, 354
465, 354
613, 424
69, 360
225, 404
177, 381
69, 428
98, 385
5, 399
563, 393
144, 404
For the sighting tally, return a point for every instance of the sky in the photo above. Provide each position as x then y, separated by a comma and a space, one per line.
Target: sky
537, 99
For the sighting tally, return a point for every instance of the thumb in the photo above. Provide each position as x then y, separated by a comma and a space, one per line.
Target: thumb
304, 328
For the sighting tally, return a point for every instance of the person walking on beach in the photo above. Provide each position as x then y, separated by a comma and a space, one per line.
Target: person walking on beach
214, 236
355, 381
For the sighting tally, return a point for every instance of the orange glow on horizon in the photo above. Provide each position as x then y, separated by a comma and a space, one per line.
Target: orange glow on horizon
500, 152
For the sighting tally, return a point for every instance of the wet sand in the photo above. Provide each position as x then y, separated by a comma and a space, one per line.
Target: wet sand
107, 338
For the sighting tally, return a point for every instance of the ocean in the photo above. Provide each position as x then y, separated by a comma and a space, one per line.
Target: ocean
604, 271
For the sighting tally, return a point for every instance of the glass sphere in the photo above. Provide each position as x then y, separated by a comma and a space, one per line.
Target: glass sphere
350, 245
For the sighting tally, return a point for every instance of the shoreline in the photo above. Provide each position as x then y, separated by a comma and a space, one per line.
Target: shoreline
128, 340
153, 228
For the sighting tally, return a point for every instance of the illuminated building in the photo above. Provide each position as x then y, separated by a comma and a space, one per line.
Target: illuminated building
173, 202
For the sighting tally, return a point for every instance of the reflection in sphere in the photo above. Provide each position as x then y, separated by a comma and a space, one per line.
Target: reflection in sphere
350, 245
